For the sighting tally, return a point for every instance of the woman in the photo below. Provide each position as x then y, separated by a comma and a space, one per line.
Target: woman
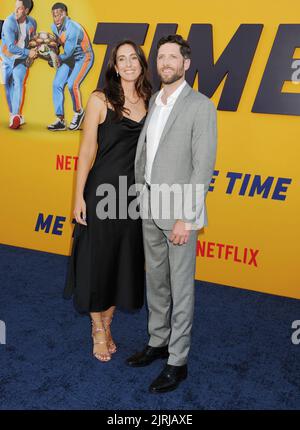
107, 261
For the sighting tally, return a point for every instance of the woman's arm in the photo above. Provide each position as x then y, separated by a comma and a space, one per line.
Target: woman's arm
95, 114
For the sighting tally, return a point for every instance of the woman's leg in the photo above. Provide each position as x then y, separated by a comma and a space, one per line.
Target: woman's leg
107, 317
100, 349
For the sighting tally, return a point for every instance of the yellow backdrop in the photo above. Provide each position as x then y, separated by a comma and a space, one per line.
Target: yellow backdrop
32, 183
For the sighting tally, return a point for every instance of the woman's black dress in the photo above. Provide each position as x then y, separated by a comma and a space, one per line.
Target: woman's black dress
106, 266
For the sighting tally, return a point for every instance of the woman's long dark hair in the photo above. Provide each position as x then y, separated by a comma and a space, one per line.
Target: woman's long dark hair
113, 90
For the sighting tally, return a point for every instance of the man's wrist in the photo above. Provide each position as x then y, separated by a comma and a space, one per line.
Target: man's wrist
187, 225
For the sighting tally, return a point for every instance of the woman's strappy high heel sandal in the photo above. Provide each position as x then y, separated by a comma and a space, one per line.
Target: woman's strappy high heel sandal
101, 356
112, 348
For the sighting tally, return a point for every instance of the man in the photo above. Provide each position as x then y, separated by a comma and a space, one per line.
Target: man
17, 30
75, 63
177, 146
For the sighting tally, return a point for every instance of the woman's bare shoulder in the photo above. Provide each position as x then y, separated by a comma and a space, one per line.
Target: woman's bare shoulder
98, 96
97, 103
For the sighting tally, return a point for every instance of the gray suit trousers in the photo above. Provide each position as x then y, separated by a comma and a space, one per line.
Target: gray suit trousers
170, 277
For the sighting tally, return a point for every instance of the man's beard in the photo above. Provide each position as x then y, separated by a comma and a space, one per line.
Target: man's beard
173, 78
21, 17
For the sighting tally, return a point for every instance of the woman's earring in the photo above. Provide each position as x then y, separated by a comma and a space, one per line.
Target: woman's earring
117, 74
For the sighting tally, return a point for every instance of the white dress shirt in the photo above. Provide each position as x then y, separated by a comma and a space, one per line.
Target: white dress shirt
21, 41
156, 126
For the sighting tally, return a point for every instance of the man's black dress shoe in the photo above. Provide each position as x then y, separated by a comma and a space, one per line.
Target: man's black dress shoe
169, 379
147, 356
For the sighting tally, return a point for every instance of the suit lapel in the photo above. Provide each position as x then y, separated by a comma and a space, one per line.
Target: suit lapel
177, 108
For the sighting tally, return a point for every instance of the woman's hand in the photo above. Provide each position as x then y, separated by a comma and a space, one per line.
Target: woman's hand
80, 211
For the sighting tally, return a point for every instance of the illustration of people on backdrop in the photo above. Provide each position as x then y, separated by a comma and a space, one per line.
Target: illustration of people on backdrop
17, 30
73, 66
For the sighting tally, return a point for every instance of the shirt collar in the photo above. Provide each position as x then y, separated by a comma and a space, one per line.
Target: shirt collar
63, 27
172, 98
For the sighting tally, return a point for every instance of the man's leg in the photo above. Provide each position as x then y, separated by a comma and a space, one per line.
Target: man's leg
9, 88
182, 272
78, 74
7, 71
158, 291
59, 83
157, 283
20, 72
182, 260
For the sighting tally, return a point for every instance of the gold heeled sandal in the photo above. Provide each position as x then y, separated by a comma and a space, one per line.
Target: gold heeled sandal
112, 347
101, 356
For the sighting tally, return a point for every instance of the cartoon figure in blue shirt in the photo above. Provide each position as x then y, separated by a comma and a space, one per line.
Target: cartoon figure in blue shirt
17, 30
74, 65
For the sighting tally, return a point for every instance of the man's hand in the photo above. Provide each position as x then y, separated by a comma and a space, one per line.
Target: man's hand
33, 54
59, 62
180, 233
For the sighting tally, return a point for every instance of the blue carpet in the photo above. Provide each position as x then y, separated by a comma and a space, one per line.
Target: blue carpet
242, 356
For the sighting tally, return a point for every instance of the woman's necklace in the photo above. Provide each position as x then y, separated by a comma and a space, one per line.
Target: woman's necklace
133, 103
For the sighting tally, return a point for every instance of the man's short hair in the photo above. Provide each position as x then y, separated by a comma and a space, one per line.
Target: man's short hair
185, 48
28, 4
60, 6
